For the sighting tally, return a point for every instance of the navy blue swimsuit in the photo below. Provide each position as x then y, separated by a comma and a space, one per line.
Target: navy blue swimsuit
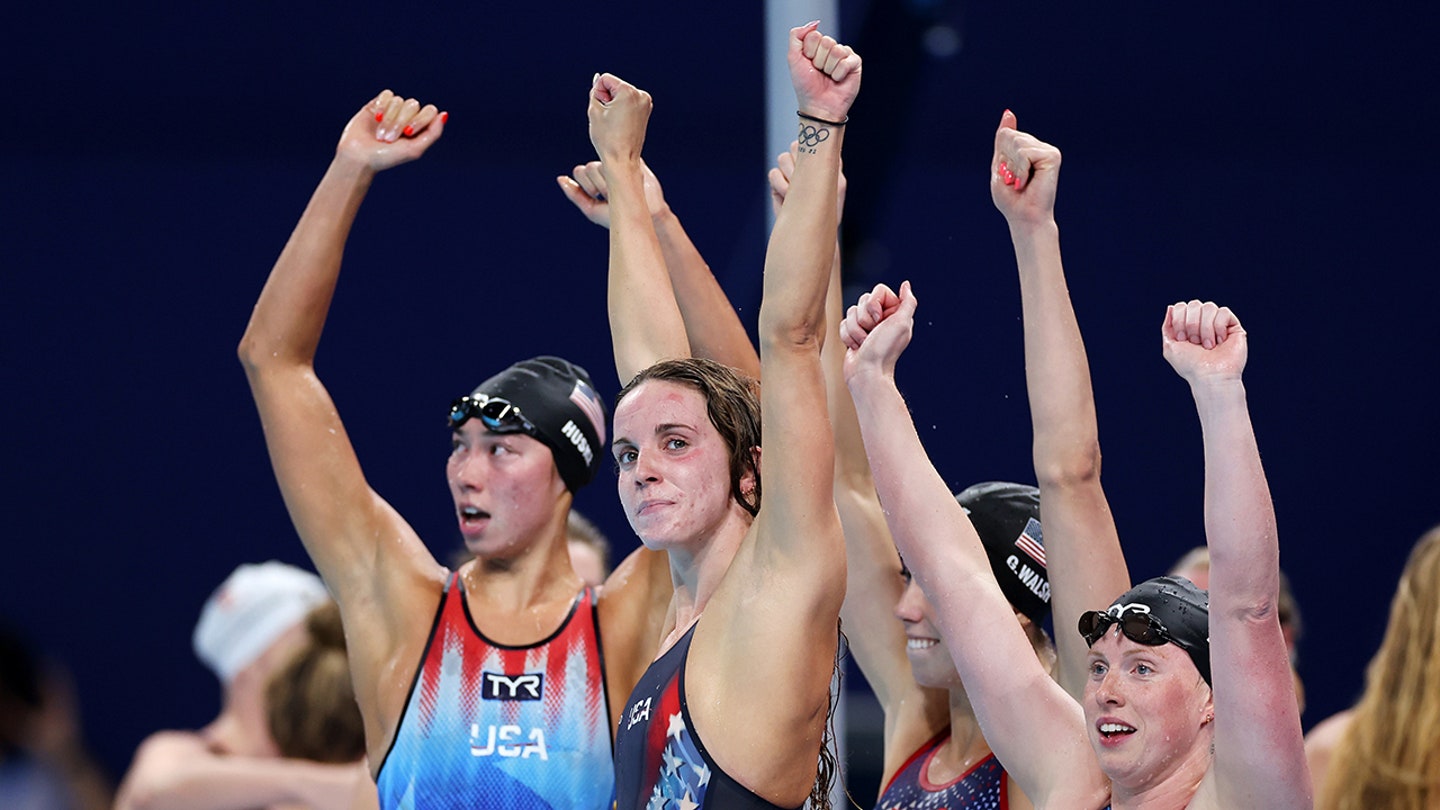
660, 763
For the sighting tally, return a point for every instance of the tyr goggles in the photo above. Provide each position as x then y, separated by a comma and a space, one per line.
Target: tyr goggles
1141, 627
495, 413
1137, 625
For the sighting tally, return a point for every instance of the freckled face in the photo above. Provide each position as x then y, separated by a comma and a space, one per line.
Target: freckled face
674, 467
1146, 709
505, 488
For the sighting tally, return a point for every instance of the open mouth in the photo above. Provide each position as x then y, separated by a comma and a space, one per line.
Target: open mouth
1115, 731
470, 514
920, 643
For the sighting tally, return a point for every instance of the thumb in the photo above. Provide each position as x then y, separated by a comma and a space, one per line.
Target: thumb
798, 34
779, 183
1008, 120
575, 194
908, 301
605, 87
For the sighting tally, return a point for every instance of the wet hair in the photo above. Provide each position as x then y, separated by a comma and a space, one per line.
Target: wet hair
311, 701
1389, 756
732, 401
1041, 643
827, 767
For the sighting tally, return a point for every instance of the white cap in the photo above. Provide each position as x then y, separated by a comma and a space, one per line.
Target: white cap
252, 608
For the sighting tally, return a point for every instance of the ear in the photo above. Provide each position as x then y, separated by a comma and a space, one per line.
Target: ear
747, 481
1208, 708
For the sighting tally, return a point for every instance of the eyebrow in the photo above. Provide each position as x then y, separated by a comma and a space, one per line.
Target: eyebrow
659, 429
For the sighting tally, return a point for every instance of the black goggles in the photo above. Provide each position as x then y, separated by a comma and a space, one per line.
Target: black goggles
497, 414
1139, 627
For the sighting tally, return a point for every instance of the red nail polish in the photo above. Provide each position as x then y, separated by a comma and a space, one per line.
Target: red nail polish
444, 116
409, 130
380, 116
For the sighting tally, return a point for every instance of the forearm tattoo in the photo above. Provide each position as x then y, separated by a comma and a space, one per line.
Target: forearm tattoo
812, 136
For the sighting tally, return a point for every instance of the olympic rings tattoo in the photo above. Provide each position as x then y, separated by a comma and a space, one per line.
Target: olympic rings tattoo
812, 136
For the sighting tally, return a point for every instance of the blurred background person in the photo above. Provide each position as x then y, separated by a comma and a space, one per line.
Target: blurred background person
288, 732
1385, 751
44, 762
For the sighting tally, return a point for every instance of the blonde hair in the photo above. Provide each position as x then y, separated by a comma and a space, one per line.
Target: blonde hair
311, 701
1390, 754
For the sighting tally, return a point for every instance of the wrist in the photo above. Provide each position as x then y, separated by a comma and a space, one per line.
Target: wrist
1216, 393
1033, 230
822, 117
350, 167
866, 379
619, 160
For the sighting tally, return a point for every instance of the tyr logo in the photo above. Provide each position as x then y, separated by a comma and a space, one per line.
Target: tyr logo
499, 686
1118, 611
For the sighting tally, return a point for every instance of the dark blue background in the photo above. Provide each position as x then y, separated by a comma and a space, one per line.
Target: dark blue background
1278, 160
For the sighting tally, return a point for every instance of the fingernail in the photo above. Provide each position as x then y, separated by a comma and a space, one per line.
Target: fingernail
812, 22
594, 80
380, 116
1008, 112
409, 130
444, 116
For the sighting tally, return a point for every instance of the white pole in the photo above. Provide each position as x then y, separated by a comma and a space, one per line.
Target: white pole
780, 121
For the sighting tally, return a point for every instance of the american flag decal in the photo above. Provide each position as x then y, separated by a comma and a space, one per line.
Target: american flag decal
588, 402
1031, 541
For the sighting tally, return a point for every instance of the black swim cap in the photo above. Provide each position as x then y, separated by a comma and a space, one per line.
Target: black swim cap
1180, 607
1007, 518
557, 397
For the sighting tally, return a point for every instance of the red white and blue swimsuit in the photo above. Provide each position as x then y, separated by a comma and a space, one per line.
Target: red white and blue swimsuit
660, 763
983, 787
488, 725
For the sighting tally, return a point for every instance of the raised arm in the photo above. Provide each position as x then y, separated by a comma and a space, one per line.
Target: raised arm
1259, 752
645, 322
773, 619
826, 77
712, 326
1082, 548
371, 560
873, 583
1014, 698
